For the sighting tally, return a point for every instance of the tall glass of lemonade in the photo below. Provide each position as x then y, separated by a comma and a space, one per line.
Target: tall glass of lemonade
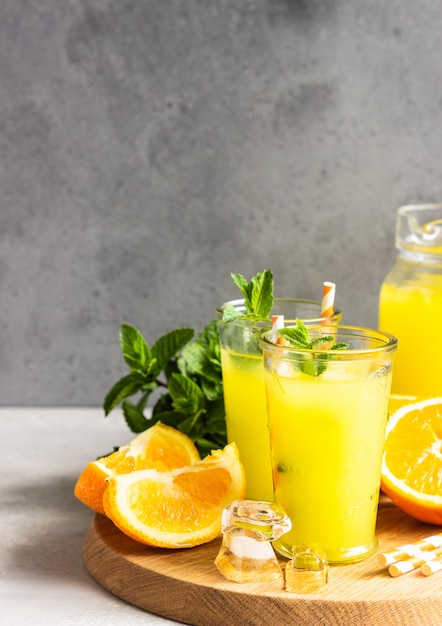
327, 414
244, 390
410, 301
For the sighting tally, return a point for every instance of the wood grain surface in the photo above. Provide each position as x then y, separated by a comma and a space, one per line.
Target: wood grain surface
185, 585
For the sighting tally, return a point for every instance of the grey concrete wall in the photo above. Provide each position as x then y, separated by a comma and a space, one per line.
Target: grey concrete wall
148, 148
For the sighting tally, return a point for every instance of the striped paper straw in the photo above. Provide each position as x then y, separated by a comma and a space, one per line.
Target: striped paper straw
277, 324
410, 549
403, 567
328, 299
431, 567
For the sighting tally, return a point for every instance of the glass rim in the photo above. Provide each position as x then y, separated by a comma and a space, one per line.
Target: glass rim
239, 302
389, 342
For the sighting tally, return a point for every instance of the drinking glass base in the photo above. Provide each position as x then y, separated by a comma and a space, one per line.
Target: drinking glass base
336, 556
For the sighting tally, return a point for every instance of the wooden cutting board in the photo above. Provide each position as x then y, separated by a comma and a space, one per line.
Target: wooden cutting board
184, 585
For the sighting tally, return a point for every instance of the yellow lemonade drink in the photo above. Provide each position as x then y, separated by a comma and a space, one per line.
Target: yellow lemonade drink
246, 420
327, 435
244, 388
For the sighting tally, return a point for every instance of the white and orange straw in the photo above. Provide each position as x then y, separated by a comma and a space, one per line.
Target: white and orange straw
277, 324
328, 299
327, 311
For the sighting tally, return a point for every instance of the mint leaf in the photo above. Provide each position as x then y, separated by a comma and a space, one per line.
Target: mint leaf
189, 423
262, 294
215, 419
126, 386
197, 364
134, 417
170, 418
244, 288
230, 313
299, 338
207, 445
209, 339
168, 346
257, 293
134, 348
187, 397
196, 360
294, 336
201, 361
163, 404
302, 328
320, 341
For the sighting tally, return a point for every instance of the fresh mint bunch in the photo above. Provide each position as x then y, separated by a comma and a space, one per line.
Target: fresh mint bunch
187, 370
299, 338
189, 373
258, 297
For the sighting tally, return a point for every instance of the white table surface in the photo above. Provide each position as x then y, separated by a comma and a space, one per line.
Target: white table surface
43, 580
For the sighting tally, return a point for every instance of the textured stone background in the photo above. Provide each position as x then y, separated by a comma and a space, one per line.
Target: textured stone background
148, 148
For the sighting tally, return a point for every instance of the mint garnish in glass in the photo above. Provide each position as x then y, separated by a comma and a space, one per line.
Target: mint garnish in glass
258, 297
299, 338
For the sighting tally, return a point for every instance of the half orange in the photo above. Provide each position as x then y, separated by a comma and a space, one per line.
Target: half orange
412, 460
177, 509
161, 447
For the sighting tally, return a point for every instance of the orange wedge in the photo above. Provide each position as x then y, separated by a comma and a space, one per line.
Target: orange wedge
160, 447
177, 509
412, 460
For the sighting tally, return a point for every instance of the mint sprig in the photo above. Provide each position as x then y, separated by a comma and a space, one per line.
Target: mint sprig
189, 374
258, 297
299, 338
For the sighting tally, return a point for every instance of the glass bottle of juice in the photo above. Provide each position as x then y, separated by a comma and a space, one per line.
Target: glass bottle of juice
410, 301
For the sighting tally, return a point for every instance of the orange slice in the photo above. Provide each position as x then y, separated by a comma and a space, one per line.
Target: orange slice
412, 460
161, 447
177, 509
